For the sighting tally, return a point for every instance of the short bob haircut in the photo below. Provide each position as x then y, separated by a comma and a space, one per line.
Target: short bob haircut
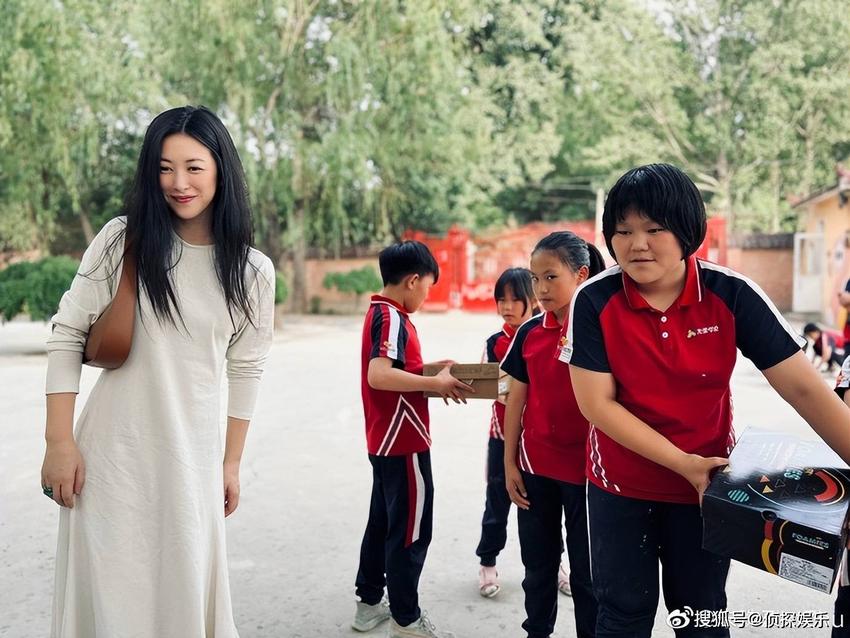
406, 258
519, 281
662, 193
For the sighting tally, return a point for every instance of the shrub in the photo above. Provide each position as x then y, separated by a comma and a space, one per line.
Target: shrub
13, 289
35, 287
357, 281
281, 290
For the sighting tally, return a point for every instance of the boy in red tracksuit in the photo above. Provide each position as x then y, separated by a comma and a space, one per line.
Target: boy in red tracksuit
398, 441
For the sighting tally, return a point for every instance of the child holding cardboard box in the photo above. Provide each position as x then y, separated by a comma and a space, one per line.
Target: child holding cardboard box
651, 346
398, 440
545, 440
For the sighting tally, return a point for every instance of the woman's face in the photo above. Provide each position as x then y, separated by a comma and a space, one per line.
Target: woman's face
187, 176
554, 282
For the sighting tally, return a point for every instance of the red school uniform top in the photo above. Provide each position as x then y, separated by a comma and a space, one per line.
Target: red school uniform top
671, 368
497, 347
554, 432
396, 422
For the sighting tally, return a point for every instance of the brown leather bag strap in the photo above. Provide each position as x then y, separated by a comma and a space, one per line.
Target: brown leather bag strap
111, 336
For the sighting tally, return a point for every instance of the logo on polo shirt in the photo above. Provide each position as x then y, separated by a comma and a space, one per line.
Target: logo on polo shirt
564, 351
694, 332
391, 347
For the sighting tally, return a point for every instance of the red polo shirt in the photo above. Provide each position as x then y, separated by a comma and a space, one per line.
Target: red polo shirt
554, 432
396, 422
497, 347
672, 368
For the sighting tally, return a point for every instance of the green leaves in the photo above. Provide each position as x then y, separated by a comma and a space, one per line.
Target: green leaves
358, 119
358, 281
35, 287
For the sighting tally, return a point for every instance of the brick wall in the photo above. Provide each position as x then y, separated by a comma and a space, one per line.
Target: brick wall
333, 300
770, 268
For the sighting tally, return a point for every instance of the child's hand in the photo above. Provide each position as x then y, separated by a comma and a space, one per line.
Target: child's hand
697, 469
451, 388
516, 486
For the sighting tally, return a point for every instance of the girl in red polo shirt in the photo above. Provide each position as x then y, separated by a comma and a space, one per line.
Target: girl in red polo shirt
651, 346
545, 440
515, 304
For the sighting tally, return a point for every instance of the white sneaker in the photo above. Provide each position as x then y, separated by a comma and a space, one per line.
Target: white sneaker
564, 581
421, 628
368, 617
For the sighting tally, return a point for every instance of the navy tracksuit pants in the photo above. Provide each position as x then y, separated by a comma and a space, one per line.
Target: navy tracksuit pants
494, 524
628, 538
541, 546
397, 534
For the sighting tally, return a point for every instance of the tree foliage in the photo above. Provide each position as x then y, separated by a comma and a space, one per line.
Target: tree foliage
358, 119
357, 281
35, 287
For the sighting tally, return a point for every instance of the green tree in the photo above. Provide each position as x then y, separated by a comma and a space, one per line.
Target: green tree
69, 92
736, 93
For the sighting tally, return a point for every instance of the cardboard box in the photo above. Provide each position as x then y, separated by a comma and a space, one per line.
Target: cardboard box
781, 506
483, 377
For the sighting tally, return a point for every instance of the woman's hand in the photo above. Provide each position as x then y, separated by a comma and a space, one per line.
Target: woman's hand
697, 470
231, 487
63, 471
516, 486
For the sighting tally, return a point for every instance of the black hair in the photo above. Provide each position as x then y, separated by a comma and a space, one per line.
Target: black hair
407, 258
149, 231
811, 327
519, 281
573, 251
662, 193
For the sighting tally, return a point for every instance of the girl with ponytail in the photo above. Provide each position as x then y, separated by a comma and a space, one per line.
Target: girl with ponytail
546, 437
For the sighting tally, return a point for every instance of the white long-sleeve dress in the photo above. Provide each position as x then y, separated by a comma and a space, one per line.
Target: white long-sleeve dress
142, 554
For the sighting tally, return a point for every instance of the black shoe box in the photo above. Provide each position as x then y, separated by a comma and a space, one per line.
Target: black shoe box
781, 506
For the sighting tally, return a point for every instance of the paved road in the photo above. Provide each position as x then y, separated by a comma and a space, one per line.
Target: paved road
293, 544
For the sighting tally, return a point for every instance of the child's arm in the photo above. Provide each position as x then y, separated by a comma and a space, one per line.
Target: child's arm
383, 376
800, 385
596, 396
513, 428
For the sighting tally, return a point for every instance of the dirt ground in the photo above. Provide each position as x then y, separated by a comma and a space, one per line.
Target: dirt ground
293, 543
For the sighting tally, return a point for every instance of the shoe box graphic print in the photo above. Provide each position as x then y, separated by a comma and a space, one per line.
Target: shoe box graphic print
781, 506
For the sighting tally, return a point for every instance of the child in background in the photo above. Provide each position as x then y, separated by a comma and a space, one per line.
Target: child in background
515, 303
546, 440
828, 346
651, 345
398, 441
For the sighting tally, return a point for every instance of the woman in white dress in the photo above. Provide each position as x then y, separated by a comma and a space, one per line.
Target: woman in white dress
142, 480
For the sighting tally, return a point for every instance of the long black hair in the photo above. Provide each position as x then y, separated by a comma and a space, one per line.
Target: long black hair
149, 231
662, 193
573, 251
519, 281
